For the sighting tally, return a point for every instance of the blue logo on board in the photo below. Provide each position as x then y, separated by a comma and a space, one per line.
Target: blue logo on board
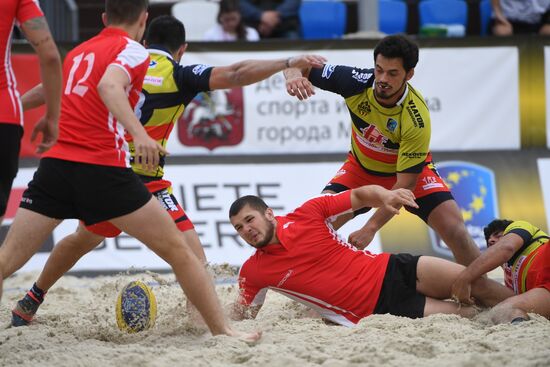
474, 189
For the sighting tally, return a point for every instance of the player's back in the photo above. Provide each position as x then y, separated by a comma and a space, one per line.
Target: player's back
88, 132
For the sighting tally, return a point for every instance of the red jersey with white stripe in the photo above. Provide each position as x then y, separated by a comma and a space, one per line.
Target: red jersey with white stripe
12, 12
314, 266
88, 132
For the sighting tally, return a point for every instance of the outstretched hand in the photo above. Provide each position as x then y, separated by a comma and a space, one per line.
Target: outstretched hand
49, 129
395, 199
298, 85
148, 152
461, 291
361, 238
307, 61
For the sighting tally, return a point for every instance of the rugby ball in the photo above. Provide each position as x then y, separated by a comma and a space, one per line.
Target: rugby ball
136, 307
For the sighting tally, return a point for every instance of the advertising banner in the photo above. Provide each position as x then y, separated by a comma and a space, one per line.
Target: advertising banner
472, 96
206, 192
263, 119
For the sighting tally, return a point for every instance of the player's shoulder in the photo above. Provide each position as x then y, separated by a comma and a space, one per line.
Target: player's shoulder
521, 225
136, 50
416, 107
415, 97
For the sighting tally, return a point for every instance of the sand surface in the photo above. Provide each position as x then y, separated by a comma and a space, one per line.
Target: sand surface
76, 326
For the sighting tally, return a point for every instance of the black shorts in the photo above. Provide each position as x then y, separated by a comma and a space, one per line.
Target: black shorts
10, 146
398, 295
92, 193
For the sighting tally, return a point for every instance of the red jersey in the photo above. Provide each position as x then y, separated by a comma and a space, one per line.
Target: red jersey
88, 132
314, 266
12, 12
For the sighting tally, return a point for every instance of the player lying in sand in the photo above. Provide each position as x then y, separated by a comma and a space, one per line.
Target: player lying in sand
523, 251
301, 256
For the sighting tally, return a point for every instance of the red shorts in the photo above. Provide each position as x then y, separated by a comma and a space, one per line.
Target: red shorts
162, 190
538, 275
430, 190
352, 175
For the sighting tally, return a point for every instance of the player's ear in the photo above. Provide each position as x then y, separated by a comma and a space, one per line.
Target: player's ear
104, 19
269, 214
410, 74
181, 51
143, 19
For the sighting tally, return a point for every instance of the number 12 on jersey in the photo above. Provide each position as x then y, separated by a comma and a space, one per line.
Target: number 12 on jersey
79, 88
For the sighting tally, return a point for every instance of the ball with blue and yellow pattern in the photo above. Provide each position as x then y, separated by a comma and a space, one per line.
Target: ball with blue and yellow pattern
136, 307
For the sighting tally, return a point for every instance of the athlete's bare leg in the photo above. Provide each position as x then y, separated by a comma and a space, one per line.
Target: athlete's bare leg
152, 225
447, 221
434, 306
435, 278
65, 254
27, 233
535, 300
191, 238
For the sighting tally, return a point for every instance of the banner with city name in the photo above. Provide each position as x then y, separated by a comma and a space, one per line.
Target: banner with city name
472, 94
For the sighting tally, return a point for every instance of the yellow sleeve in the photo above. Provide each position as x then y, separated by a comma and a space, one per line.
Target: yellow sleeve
521, 225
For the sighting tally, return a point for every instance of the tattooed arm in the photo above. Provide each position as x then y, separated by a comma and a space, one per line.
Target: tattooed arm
37, 32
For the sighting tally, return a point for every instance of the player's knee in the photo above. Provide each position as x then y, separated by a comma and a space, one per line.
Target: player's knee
174, 249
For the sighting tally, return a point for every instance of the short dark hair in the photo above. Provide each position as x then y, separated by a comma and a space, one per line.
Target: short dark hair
497, 225
398, 45
124, 11
166, 30
255, 203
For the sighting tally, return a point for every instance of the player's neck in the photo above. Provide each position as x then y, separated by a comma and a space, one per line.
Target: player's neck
392, 101
132, 30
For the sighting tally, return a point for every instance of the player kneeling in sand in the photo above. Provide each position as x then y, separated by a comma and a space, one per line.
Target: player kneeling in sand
301, 256
523, 251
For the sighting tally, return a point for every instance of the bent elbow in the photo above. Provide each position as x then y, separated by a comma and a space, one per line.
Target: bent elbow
105, 89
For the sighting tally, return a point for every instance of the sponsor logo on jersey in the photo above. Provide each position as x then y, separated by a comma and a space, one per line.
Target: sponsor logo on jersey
199, 69
285, 278
327, 71
474, 189
213, 119
364, 108
373, 135
340, 172
414, 155
360, 76
153, 80
152, 64
391, 125
415, 115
